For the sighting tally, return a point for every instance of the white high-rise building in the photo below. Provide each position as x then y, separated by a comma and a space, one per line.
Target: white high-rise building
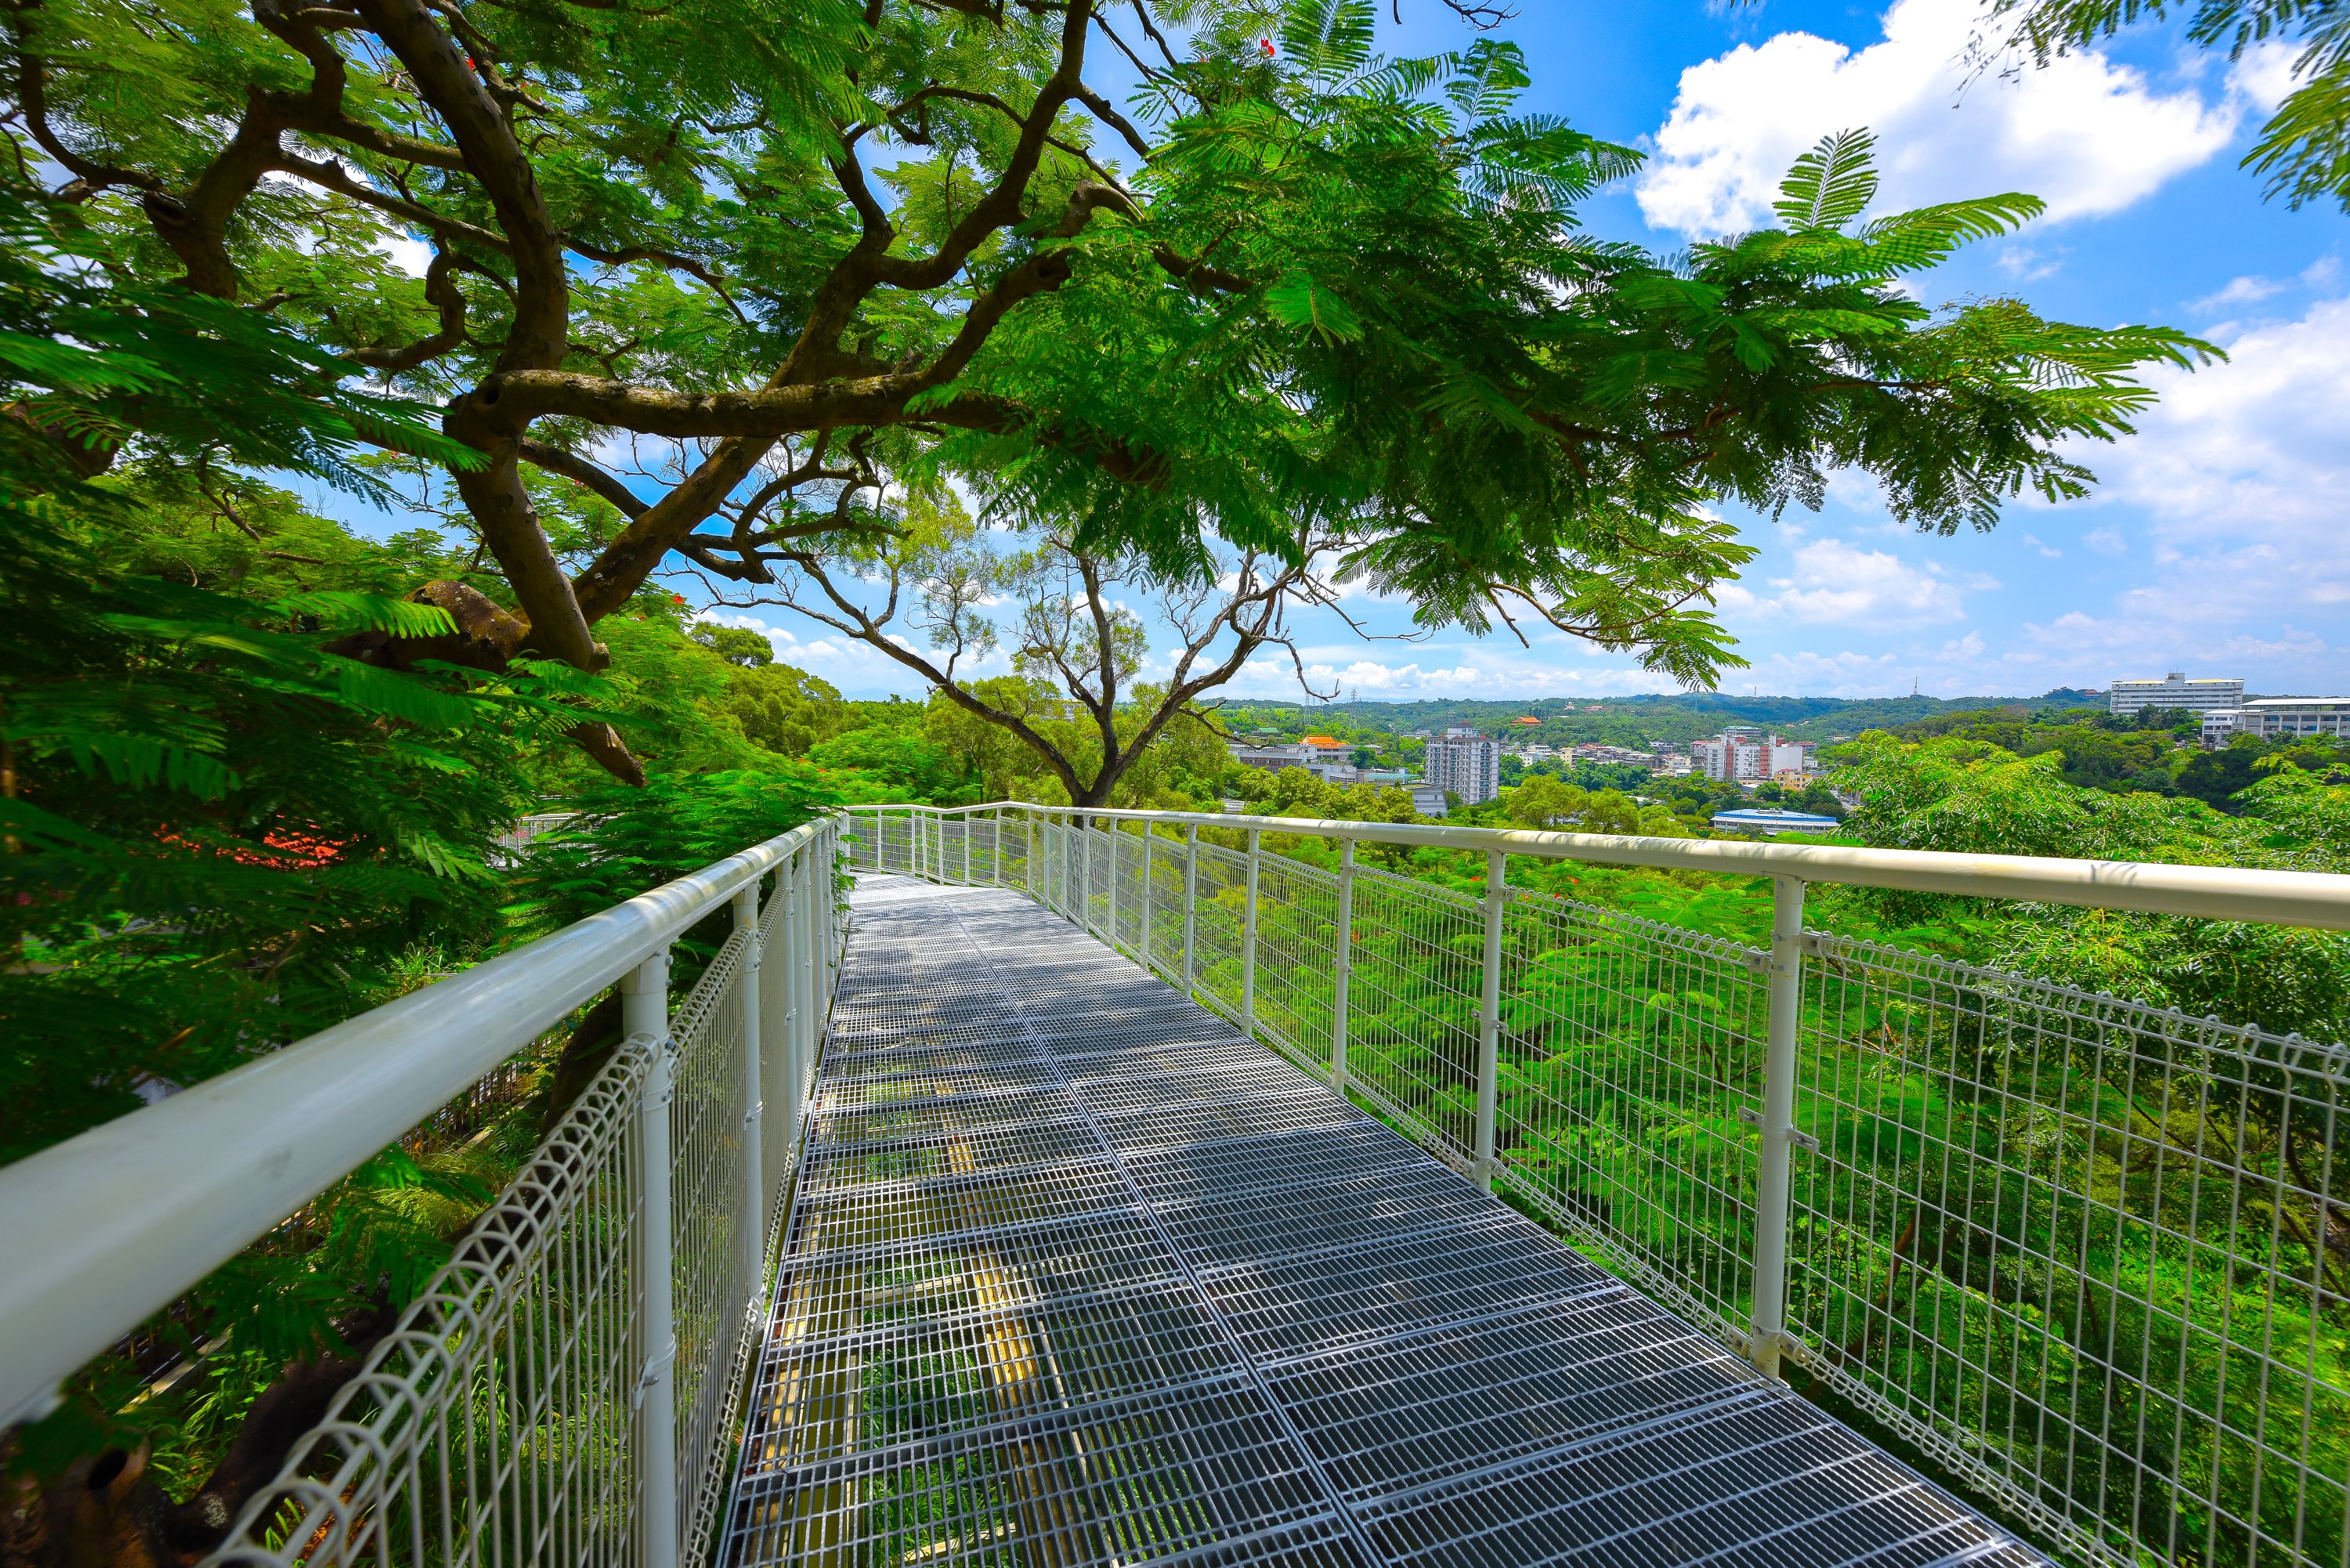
2174, 690
1466, 764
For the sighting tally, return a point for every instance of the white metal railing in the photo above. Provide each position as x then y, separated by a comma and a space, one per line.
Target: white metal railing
544, 1400
2091, 1256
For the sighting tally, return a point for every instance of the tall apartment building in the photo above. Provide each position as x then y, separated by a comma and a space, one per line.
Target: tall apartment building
1466, 764
2174, 690
1741, 756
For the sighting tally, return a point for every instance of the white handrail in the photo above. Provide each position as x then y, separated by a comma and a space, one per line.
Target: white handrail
2308, 899
106, 1227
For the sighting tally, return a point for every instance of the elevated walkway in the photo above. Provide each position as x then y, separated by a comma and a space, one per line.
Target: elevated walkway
1073, 1275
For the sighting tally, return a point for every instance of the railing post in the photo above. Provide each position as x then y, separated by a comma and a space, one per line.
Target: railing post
967, 820
1343, 966
746, 989
809, 924
1489, 1019
995, 838
644, 1010
1248, 934
1768, 1336
1143, 843
1191, 898
792, 945
1085, 874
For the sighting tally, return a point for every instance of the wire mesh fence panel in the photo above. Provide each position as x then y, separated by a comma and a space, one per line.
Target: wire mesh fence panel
1127, 850
711, 1268
1017, 853
495, 1424
892, 846
1097, 875
1296, 954
2092, 1253
1412, 999
1217, 919
1631, 1059
1163, 911
952, 845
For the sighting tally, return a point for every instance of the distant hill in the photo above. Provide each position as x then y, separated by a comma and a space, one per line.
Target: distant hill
1632, 721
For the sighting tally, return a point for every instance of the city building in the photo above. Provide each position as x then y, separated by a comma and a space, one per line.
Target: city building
1741, 756
2174, 690
1621, 756
2278, 718
1271, 756
2220, 727
1325, 759
1466, 764
1766, 821
1427, 799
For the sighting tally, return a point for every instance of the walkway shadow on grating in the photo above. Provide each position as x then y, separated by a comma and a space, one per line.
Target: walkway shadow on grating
1076, 1275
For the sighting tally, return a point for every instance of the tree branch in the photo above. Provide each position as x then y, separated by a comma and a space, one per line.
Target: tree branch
440, 288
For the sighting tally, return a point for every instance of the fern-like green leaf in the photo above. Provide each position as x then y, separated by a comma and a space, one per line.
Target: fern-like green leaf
1830, 185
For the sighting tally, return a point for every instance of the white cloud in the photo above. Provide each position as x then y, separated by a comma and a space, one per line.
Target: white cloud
1834, 583
1815, 674
2238, 291
2047, 551
2254, 288
2264, 73
2086, 134
1462, 668
2106, 541
857, 668
2243, 469
2027, 263
409, 253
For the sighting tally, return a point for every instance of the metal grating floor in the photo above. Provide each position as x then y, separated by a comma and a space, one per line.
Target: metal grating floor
1056, 1295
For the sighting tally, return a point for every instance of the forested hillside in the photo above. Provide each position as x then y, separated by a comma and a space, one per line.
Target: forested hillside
1633, 721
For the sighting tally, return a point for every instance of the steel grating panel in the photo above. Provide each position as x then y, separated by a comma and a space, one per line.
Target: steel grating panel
1073, 1275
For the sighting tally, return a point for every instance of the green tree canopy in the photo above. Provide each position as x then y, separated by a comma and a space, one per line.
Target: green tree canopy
788, 260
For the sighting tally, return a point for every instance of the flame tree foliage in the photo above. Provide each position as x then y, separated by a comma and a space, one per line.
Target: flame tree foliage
834, 254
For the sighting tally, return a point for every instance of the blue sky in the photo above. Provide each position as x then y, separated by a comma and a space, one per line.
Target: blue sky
2219, 541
